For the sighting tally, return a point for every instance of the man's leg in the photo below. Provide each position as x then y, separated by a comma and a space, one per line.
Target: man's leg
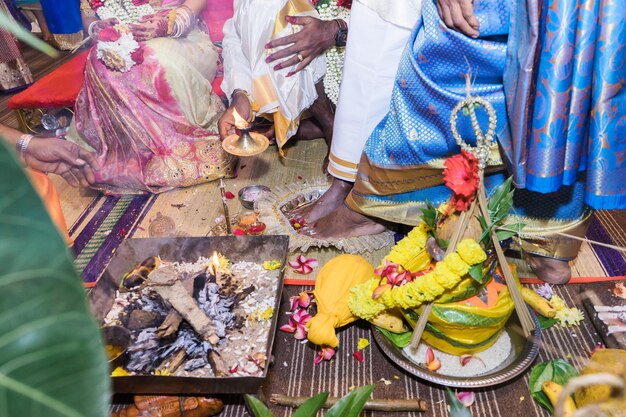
372, 55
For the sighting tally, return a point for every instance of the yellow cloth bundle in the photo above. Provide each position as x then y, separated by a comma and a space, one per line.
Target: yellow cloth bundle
332, 293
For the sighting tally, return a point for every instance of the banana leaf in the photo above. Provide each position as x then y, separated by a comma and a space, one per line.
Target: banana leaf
52, 359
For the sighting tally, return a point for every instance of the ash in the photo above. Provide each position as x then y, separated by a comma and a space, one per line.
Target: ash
240, 304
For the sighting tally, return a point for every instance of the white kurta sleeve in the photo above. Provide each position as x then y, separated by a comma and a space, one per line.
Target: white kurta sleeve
237, 67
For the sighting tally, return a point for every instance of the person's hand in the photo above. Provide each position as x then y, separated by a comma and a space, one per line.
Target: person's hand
149, 27
315, 37
102, 24
63, 158
459, 15
226, 123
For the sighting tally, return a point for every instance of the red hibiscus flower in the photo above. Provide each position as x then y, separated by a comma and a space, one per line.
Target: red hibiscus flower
461, 176
109, 34
137, 55
344, 3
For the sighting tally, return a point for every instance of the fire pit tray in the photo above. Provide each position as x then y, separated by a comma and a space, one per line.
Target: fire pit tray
187, 249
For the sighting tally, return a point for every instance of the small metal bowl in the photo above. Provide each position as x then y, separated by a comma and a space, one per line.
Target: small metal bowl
248, 195
117, 339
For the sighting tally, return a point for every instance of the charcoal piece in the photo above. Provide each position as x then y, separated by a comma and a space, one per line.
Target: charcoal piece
140, 319
193, 364
170, 325
240, 296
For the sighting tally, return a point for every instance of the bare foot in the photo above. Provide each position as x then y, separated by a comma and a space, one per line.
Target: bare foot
550, 270
326, 204
343, 222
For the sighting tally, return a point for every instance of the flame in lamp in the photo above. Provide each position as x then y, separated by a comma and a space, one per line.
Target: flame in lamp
246, 144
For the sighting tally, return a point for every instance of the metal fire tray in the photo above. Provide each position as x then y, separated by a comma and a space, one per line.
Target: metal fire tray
187, 249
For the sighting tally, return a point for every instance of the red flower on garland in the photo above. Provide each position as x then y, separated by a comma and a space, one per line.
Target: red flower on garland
109, 34
461, 176
140, 2
344, 3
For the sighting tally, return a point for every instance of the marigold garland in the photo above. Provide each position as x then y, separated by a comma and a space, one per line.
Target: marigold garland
446, 275
410, 252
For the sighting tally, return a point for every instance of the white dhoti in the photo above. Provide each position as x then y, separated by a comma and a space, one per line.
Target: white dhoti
372, 56
281, 98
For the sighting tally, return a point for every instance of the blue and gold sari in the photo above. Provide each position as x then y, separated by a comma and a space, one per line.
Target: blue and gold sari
402, 163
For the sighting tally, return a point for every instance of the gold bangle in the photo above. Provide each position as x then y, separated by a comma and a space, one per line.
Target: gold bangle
171, 18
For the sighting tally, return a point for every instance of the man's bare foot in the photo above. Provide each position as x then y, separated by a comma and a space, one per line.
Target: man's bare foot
343, 222
550, 270
326, 204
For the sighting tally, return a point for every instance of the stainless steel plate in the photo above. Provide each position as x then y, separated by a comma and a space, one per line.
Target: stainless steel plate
523, 353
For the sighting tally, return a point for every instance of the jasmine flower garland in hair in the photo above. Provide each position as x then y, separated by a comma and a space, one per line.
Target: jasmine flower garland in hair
331, 10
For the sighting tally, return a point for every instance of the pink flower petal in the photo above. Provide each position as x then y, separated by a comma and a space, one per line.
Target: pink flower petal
305, 270
294, 264
287, 328
300, 316
300, 332
358, 356
295, 303
304, 299
466, 398
430, 355
312, 262
328, 353
318, 359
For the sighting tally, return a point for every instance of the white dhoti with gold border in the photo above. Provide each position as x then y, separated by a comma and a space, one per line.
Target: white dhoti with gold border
372, 56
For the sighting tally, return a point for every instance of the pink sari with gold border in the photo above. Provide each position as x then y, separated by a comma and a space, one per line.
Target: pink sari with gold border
154, 127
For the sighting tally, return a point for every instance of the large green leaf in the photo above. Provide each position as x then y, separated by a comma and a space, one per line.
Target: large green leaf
52, 360
400, 340
257, 407
22, 34
558, 370
310, 407
351, 405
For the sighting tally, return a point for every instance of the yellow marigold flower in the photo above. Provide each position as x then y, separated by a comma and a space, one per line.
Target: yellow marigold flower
268, 313
119, 371
431, 287
271, 265
557, 302
410, 252
361, 302
471, 252
445, 277
457, 265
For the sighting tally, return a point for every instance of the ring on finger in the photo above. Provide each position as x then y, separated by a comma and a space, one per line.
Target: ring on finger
300, 57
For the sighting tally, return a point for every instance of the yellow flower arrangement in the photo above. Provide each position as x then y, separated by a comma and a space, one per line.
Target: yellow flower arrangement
361, 302
410, 252
447, 274
471, 252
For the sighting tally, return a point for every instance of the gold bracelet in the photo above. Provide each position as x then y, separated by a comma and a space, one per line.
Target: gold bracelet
171, 18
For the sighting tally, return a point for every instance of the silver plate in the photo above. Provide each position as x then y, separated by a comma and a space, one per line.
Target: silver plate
523, 353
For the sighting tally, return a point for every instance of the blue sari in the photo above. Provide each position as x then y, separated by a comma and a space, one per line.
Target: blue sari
63, 19
401, 166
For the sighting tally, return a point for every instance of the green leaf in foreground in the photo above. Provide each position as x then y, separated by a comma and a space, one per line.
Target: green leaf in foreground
52, 360
456, 408
351, 404
311, 406
257, 407
476, 272
22, 34
400, 340
546, 322
558, 370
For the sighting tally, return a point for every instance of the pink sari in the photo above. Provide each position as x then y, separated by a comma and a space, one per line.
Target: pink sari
154, 127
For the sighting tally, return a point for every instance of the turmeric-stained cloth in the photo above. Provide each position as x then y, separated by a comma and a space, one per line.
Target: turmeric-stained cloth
332, 293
